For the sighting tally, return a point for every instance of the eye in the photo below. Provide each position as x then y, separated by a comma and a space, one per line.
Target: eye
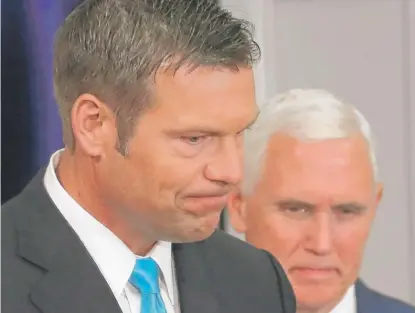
295, 209
295, 212
193, 140
348, 211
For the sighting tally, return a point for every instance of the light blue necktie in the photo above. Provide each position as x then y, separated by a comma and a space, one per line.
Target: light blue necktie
145, 277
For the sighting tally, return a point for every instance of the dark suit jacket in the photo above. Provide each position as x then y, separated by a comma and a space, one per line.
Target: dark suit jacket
370, 301
46, 268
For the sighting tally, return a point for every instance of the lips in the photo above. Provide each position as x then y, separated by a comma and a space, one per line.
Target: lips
214, 194
207, 204
211, 200
314, 273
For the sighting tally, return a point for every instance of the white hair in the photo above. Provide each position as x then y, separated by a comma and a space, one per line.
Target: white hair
307, 115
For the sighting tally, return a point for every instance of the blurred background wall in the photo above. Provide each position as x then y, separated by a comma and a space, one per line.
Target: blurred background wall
364, 52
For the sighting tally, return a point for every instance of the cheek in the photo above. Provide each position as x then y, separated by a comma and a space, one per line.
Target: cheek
272, 233
350, 247
169, 176
160, 166
178, 175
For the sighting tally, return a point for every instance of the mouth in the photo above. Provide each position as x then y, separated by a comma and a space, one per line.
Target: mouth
211, 200
314, 273
206, 204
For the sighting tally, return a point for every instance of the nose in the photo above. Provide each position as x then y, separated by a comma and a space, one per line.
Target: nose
226, 166
320, 234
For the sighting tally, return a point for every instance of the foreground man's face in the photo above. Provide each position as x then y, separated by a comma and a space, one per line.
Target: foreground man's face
186, 153
312, 209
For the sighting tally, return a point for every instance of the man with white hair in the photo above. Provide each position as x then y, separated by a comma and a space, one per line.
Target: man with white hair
309, 197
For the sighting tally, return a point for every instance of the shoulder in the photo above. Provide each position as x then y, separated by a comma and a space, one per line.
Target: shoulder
22, 211
14, 209
9, 211
33, 195
225, 244
12, 279
238, 255
236, 259
230, 249
12, 205
386, 304
13, 213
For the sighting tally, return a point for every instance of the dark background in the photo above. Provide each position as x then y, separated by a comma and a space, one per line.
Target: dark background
31, 128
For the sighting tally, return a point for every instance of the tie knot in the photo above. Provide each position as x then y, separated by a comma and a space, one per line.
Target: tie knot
145, 276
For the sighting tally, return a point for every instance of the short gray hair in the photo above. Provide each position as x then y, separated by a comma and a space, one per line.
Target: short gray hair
307, 115
111, 49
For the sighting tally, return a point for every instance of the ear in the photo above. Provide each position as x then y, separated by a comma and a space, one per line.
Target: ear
237, 211
93, 125
379, 193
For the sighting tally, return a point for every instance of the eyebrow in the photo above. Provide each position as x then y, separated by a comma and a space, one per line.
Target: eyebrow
286, 203
206, 130
354, 206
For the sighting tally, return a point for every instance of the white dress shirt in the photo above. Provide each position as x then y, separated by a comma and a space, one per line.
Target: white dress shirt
112, 257
348, 303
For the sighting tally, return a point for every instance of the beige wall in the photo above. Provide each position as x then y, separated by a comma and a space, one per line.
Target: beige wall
363, 51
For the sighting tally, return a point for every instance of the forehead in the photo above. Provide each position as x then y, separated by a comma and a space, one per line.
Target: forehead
335, 166
205, 92
199, 80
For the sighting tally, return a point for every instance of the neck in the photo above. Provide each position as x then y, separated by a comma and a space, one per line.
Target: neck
76, 173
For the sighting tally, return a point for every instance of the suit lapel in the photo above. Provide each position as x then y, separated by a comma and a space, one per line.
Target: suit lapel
74, 285
365, 300
196, 293
71, 282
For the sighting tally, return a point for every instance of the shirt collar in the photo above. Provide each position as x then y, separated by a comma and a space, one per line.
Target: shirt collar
348, 302
162, 254
113, 258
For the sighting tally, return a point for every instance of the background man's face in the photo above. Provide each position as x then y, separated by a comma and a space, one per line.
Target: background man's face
313, 208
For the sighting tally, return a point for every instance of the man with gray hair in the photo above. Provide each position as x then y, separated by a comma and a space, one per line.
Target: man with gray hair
309, 196
154, 97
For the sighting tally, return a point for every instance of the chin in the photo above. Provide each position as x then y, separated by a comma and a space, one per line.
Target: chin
192, 235
189, 228
200, 234
318, 298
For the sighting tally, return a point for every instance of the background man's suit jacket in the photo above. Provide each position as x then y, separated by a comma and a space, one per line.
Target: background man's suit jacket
370, 301
46, 268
